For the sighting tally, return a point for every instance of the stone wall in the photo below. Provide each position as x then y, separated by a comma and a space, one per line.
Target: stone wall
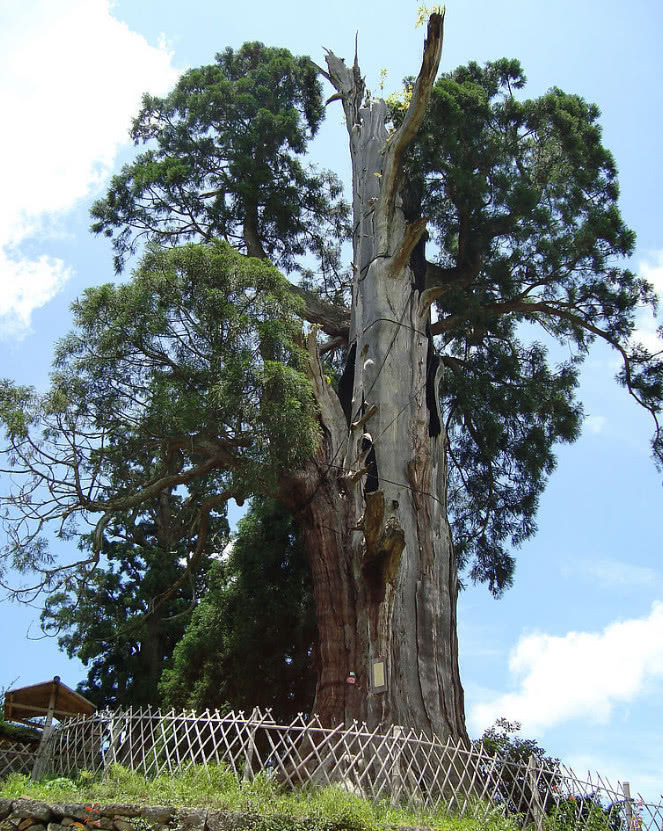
23, 814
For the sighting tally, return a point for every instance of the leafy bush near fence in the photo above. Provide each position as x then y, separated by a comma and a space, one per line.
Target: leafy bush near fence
514, 752
590, 814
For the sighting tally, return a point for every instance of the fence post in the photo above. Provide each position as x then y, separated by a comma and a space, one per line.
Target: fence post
626, 788
536, 807
396, 783
40, 759
114, 737
248, 766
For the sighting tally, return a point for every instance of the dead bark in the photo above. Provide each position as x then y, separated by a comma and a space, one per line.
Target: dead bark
372, 506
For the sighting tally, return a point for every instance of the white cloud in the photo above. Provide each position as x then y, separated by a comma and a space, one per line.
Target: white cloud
27, 285
71, 77
595, 424
580, 675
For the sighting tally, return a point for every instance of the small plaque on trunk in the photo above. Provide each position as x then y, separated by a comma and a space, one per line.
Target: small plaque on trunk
379, 675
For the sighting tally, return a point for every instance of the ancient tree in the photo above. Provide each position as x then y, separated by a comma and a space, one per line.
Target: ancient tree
397, 409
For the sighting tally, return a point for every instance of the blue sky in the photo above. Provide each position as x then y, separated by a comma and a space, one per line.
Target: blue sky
575, 649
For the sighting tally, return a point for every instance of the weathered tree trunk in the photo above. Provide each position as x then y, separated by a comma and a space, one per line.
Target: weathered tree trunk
373, 505
151, 659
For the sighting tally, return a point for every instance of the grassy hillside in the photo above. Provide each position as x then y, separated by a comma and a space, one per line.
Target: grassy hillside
274, 809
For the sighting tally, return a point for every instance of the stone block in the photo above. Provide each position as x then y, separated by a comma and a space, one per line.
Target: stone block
32, 809
191, 819
68, 812
158, 814
116, 809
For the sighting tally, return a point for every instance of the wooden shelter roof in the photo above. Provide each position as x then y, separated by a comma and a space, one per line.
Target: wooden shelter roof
27, 702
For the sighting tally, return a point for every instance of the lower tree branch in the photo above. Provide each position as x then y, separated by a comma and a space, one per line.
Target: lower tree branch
155, 488
535, 310
202, 523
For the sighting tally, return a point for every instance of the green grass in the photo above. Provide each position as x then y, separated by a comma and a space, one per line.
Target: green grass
275, 808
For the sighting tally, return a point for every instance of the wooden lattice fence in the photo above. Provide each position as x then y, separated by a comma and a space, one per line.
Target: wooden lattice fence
16, 757
396, 764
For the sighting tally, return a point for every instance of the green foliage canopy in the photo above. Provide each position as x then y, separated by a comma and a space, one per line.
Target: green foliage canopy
525, 234
223, 163
251, 640
521, 197
196, 362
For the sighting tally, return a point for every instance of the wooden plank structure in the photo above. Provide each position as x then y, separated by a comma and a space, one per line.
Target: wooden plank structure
52, 699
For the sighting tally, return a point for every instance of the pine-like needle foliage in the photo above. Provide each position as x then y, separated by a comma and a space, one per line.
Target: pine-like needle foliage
223, 163
524, 222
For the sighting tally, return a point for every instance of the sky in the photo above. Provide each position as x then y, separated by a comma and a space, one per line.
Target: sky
574, 651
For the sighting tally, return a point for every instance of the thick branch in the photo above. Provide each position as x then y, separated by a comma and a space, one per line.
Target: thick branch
155, 488
334, 343
333, 320
202, 522
251, 239
349, 87
536, 309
